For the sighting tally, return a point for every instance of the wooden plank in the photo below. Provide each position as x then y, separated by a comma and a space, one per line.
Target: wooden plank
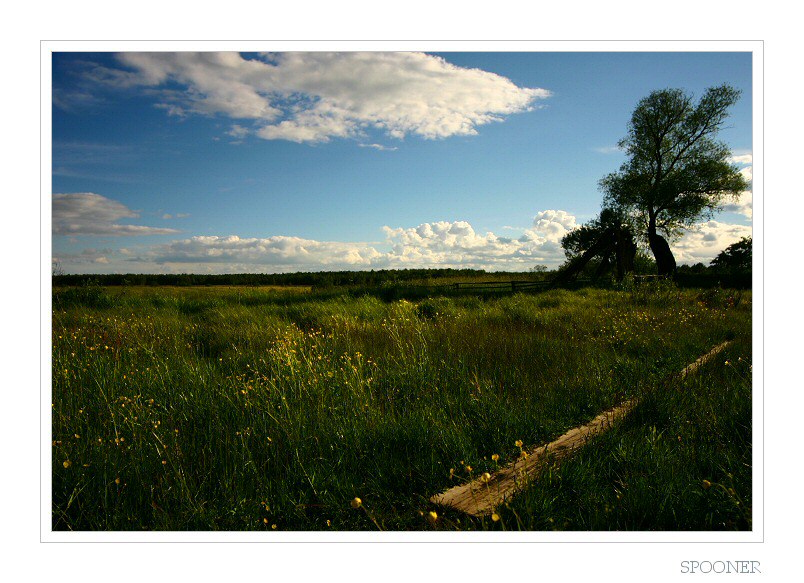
704, 359
480, 497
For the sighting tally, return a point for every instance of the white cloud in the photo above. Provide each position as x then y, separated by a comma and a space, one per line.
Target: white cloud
608, 149
87, 257
222, 83
379, 147
237, 131
277, 251
440, 235
87, 213
435, 244
747, 161
706, 240
551, 225
742, 159
316, 96
451, 244
743, 205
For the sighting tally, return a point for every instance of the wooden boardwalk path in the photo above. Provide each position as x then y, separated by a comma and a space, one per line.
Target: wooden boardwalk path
480, 497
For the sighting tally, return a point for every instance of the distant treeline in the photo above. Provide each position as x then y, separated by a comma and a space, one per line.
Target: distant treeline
322, 279
686, 276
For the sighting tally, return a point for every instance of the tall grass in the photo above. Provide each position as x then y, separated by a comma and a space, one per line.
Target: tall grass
241, 410
680, 461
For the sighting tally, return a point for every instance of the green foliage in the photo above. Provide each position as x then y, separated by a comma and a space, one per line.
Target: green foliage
735, 258
644, 264
676, 170
580, 239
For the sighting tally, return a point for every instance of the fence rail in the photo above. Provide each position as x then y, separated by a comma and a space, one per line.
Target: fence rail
512, 286
639, 278
500, 285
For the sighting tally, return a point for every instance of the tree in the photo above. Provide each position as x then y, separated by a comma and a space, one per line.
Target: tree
676, 172
608, 237
735, 257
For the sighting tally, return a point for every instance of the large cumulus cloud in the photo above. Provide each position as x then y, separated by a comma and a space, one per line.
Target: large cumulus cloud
316, 96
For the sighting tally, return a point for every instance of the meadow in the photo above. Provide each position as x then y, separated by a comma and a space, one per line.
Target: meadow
267, 408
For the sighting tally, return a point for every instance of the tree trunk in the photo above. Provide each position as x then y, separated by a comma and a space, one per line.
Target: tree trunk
626, 251
665, 262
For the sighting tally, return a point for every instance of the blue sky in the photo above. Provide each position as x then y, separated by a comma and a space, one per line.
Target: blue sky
219, 162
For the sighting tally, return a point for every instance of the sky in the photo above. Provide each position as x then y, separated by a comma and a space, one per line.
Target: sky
282, 162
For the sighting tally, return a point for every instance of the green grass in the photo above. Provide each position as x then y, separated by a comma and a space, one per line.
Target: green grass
245, 409
680, 461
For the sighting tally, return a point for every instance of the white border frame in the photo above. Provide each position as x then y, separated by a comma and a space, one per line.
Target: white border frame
753, 46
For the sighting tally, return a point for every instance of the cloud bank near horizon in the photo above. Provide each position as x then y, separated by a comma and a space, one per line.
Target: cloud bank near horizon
439, 244
316, 96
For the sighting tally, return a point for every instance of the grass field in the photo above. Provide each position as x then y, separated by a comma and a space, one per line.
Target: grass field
271, 409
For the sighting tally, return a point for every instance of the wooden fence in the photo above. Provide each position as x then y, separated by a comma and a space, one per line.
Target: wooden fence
512, 286
501, 286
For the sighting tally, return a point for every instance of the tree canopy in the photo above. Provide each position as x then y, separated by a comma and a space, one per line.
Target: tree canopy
676, 172
609, 237
580, 239
735, 257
